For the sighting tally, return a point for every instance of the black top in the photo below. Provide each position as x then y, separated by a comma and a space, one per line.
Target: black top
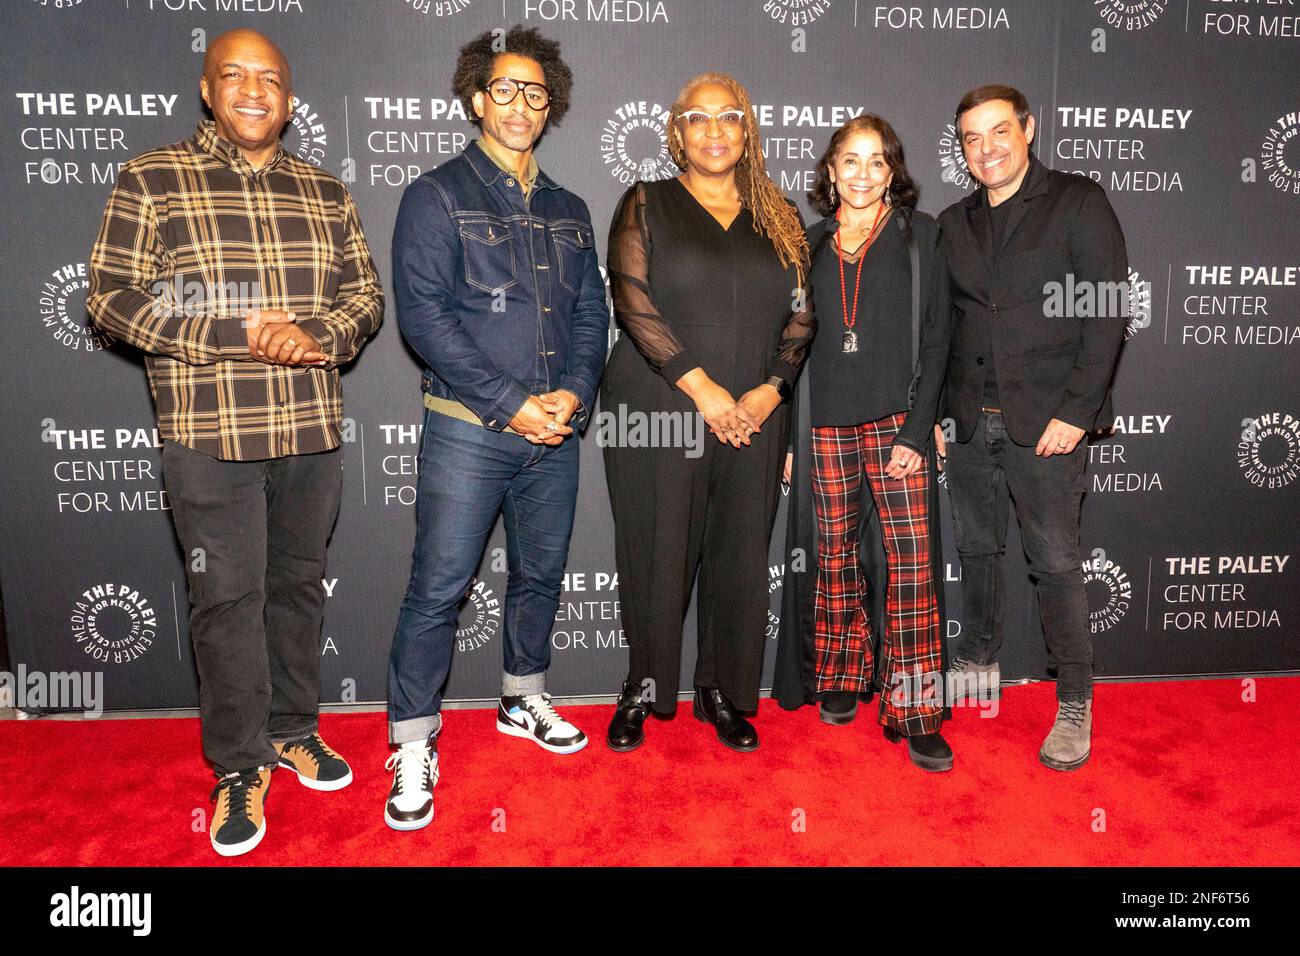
689, 293
862, 386
997, 229
935, 319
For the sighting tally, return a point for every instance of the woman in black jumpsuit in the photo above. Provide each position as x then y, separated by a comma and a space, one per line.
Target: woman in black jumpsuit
701, 302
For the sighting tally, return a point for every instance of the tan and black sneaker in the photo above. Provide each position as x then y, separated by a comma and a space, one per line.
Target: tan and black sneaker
239, 821
316, 765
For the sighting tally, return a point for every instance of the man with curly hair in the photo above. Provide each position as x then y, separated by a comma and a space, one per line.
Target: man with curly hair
499, 292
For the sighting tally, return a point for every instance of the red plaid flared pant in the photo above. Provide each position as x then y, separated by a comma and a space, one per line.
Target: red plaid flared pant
911, 669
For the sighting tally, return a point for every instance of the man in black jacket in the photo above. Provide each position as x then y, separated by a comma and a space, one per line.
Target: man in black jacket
1038, 275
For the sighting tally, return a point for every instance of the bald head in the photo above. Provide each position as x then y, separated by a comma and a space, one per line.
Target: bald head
247, 86
243, 40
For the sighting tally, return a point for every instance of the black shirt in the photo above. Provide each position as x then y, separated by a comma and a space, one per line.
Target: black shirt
871, 383
997, 226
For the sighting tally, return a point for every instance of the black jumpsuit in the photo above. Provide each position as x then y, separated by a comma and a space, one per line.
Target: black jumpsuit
689, 293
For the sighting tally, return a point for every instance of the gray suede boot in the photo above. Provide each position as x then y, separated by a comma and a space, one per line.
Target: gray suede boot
965, 678
1069, 744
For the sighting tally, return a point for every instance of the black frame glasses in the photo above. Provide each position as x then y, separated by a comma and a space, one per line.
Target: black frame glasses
520, 85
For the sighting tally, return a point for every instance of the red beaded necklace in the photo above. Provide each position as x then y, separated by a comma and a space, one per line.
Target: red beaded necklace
850, 341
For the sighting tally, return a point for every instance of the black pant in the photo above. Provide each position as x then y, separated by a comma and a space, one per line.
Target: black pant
675, 512
1048, 493
254, 536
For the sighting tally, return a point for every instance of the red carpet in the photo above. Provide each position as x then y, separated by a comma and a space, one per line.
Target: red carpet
1185, 773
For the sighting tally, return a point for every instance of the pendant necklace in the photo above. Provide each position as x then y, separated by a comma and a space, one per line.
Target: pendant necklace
850, 339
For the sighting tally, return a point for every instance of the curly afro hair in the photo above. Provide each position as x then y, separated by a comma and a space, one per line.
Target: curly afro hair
474, 67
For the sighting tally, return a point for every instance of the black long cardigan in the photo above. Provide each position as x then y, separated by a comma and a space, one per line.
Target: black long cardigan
795, 678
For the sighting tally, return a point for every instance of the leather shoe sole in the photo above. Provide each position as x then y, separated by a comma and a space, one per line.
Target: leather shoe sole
1060, 765
625, 748
931, 764
836, 717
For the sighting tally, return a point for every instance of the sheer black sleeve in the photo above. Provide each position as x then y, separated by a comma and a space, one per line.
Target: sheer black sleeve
799, 331
628, 262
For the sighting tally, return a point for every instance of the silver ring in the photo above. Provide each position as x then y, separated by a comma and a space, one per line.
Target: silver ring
1060, 444
552, 427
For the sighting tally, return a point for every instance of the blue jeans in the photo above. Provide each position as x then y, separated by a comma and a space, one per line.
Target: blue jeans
984, 475
469, 475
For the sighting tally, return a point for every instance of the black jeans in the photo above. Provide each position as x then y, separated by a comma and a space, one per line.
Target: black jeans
1048, 493
253, 535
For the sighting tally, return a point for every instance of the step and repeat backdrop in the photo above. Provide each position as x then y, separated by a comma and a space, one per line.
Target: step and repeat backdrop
1186, 111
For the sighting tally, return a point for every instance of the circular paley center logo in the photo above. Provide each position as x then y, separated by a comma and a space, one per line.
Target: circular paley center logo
634, 143
307, 139
795, 12
439, 8
952, 161
113, 623
775, 579
480, 617
1282, 172
62, 307
1268, 453
1110, 592
1139, 304
1131, 15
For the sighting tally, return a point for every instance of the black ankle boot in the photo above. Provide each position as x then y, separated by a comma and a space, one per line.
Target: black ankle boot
712, 707
928, 751
625, 729
838, 706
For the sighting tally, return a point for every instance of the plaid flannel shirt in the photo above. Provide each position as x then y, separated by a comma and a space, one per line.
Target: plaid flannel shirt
194, 238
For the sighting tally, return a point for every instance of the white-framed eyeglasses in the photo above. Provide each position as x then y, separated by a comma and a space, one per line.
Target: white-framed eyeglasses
727, 119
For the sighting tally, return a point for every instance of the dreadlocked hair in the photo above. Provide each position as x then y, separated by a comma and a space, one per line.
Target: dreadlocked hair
773, 215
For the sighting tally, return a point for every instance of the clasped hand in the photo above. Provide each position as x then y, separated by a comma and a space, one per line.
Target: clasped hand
734, 421
275, 338
543, 419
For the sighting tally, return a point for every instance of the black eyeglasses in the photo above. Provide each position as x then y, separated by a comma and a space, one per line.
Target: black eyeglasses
504, 89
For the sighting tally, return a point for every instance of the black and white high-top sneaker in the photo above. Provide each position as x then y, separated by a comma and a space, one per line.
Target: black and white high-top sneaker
532, 716
410, 799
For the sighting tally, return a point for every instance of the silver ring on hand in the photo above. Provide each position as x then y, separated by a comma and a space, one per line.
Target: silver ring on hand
552, 427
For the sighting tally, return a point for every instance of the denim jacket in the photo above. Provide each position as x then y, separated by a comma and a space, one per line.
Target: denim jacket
499, 294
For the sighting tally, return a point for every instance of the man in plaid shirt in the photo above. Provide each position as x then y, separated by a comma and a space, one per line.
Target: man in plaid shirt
243, 274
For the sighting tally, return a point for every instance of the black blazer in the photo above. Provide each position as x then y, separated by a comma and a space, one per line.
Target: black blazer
1047, 366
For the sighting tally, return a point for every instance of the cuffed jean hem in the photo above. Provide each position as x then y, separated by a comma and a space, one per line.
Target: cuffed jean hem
1077, 695
513, 686
286, 736
417, 728
220, 772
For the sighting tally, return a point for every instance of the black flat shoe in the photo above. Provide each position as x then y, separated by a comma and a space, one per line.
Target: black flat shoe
838, 707
928, 751
712, 707
626, 728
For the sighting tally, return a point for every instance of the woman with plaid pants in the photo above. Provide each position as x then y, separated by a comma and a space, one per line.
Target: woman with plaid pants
872, 393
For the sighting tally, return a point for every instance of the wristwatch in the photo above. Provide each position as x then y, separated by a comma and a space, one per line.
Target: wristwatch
781, 386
